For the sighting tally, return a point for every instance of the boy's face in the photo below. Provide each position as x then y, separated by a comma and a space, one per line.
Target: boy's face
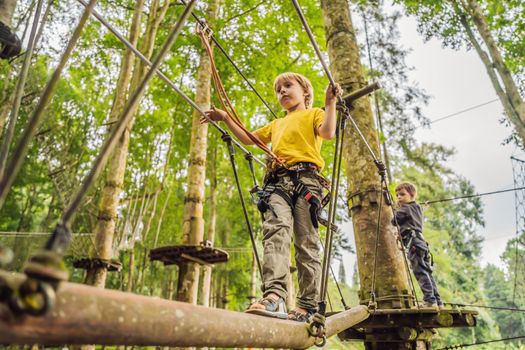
291, 95
403, 197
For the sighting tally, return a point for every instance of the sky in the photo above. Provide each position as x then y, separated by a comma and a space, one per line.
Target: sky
457, 80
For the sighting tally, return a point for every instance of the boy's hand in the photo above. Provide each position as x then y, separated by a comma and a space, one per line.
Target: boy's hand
331, 95
214, 114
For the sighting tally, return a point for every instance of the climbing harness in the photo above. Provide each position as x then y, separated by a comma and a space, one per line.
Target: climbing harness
10, 44
299, 190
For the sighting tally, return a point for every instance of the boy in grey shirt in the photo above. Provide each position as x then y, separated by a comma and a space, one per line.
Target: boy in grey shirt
409, 218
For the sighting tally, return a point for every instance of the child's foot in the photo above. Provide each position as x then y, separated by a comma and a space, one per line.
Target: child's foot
430, 305
301, 315
271, 306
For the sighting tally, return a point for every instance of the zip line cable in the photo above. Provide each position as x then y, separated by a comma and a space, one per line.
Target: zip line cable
387, 166
337, 167
472, 195
433, 121
459, 346
203, 25
376, 104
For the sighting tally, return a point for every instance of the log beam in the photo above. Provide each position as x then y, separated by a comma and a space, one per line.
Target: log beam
89, 315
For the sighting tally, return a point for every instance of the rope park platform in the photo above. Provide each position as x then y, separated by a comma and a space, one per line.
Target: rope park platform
203, 254
401, 325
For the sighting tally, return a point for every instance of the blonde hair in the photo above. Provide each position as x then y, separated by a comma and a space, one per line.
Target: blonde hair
409, 187
303, 81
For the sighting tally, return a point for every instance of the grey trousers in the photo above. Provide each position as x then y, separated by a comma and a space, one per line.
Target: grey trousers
420, 261
278, 227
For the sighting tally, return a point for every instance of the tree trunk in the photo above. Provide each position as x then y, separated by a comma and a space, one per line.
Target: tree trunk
107, 216
206, 280
193, 224
489, 66
511, 90
343, 50
364, 183
117, 166
7, 8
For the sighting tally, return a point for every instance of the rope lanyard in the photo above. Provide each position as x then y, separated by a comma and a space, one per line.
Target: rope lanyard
224, 99
166, 79
225, 54
35, 120
228, 140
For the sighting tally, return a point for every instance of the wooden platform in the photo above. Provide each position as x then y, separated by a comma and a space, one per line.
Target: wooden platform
398, 325
91, 263
202, 254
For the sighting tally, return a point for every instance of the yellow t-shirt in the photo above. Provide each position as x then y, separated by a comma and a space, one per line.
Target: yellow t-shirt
294, 138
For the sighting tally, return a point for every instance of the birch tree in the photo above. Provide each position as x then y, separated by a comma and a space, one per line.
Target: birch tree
193, 223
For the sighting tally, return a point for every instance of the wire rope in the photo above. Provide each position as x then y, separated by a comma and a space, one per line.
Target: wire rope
59, 240
459, 346
486, 307
472, 195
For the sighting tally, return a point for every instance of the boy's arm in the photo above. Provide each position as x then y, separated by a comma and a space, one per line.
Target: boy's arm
327, 129
218, 115
400, 216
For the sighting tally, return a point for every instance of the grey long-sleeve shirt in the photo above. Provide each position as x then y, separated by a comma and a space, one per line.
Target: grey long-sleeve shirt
409, 217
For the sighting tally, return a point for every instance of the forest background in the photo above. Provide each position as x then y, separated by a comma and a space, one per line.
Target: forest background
264, 39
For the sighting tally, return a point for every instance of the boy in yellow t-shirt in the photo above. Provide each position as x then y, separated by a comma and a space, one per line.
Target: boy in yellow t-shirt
294, 193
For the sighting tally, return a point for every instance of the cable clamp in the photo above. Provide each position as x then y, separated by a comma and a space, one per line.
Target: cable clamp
317, 329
